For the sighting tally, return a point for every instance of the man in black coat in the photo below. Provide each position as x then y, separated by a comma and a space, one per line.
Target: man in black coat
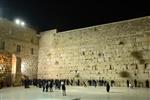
107, 87
63, 89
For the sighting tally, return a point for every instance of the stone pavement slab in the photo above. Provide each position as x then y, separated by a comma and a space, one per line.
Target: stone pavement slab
75, 93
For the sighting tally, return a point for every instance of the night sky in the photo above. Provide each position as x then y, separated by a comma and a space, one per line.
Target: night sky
66, 15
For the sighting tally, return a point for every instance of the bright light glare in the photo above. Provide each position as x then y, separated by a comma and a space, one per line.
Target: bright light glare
17, 21
22, 23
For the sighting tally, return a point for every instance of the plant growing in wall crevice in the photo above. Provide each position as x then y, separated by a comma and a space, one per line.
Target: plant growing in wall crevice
139, 56
124, 74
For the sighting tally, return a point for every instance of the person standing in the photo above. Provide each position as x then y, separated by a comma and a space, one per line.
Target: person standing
51, 86
44, 86
47, 85
135, 83
84, 84
128, 83
63, 89
107, 87
147, 83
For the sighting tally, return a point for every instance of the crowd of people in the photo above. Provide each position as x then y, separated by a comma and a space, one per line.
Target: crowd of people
49, 85
57, 82
135, 83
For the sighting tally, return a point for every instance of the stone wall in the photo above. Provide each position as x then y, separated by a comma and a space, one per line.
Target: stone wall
22, 42
99, 52
5, 69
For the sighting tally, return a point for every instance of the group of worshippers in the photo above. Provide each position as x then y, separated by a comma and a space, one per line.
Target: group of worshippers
137, 83
49, 84
58, 84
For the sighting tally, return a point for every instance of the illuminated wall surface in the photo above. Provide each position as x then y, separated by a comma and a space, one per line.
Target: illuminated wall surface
5, 68
115, 51
20, 42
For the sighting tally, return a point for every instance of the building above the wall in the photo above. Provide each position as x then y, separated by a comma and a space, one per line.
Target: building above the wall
21, 43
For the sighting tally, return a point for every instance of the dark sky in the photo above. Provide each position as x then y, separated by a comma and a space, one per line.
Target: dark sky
71, 14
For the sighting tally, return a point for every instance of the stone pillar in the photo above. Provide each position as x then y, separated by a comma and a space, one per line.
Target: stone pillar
16, 71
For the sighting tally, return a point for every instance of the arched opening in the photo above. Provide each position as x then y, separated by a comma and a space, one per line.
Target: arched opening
10, 70
5, 69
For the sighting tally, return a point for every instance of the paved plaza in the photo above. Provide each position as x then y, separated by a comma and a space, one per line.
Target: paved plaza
73, 92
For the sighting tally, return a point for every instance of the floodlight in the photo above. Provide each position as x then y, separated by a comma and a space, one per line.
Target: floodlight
22, 23
17, 21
